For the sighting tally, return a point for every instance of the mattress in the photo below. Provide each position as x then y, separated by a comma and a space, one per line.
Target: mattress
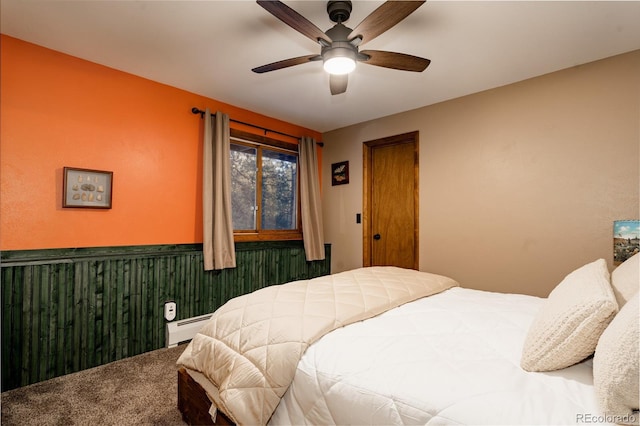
451, 358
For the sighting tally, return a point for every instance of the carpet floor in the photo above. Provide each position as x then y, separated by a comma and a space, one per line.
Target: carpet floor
141, 390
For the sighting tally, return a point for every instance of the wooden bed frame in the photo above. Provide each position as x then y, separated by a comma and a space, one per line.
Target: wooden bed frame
194, 404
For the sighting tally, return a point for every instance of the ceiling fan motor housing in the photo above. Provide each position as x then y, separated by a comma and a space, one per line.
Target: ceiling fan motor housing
340, 46
339, 11
339, 49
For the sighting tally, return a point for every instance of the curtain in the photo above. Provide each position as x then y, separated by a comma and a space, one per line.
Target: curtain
218, 247
312, 230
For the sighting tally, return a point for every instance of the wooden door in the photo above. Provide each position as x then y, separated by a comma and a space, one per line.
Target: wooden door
390, 219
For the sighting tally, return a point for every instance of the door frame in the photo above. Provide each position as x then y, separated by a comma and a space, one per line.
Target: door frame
367, 179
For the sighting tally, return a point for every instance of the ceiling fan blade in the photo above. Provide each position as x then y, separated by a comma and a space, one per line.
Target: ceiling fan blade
397, 61
286, 63
293, 19
383, 18
338, 83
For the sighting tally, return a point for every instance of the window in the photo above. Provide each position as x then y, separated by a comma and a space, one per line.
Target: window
264, 189
279, 190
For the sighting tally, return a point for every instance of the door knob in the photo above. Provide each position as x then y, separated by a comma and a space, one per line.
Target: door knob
376, 237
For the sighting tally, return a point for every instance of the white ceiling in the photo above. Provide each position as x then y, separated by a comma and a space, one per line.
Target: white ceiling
209, 48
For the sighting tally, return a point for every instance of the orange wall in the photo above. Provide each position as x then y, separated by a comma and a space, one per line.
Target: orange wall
57, 110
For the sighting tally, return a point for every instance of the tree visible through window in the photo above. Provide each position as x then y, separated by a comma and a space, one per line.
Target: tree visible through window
264, 180
244, 175
279, 190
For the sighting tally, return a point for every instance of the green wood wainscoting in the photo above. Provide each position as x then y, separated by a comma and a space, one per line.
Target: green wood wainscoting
65, 310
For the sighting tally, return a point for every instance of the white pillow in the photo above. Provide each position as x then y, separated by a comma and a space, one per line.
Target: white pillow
615, 365
625, 279
567, 327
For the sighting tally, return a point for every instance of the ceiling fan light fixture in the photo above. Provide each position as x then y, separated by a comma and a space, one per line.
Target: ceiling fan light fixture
339, 45
339, 65
339, 61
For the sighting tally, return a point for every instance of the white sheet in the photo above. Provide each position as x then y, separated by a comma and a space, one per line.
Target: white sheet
451, 358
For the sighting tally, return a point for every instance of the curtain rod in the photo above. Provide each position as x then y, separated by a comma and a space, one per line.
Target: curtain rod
196, 110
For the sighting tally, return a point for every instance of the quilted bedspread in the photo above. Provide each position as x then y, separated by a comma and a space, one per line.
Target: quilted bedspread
251, 346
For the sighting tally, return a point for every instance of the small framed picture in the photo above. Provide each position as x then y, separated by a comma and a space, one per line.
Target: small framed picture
86, 188
340, 173
626, 240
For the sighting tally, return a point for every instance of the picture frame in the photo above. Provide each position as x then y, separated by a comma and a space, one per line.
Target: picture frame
340, 173
626, 240
87, 188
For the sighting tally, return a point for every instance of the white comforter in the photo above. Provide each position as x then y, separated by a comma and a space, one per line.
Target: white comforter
451, 358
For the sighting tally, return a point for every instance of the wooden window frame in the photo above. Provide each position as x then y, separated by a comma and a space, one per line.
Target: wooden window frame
256, 141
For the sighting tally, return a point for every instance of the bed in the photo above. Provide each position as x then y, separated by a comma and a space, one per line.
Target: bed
409, 347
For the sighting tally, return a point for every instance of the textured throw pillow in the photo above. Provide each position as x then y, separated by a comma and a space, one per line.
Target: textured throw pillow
567, 327
625, 279
615, 365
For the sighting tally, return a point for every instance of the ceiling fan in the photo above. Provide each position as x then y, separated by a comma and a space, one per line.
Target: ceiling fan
340, 44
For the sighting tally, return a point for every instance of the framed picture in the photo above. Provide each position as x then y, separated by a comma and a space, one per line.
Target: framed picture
86, 188
340, 173
626, 240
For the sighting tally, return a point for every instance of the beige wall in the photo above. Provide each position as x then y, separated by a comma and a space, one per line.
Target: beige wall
519, 185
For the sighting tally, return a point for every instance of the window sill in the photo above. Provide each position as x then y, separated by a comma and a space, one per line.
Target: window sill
267, 236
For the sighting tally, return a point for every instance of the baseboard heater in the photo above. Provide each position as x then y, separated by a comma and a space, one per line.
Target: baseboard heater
184, 330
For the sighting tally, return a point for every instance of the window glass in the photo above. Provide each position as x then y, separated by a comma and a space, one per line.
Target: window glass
279, 190
244, 173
